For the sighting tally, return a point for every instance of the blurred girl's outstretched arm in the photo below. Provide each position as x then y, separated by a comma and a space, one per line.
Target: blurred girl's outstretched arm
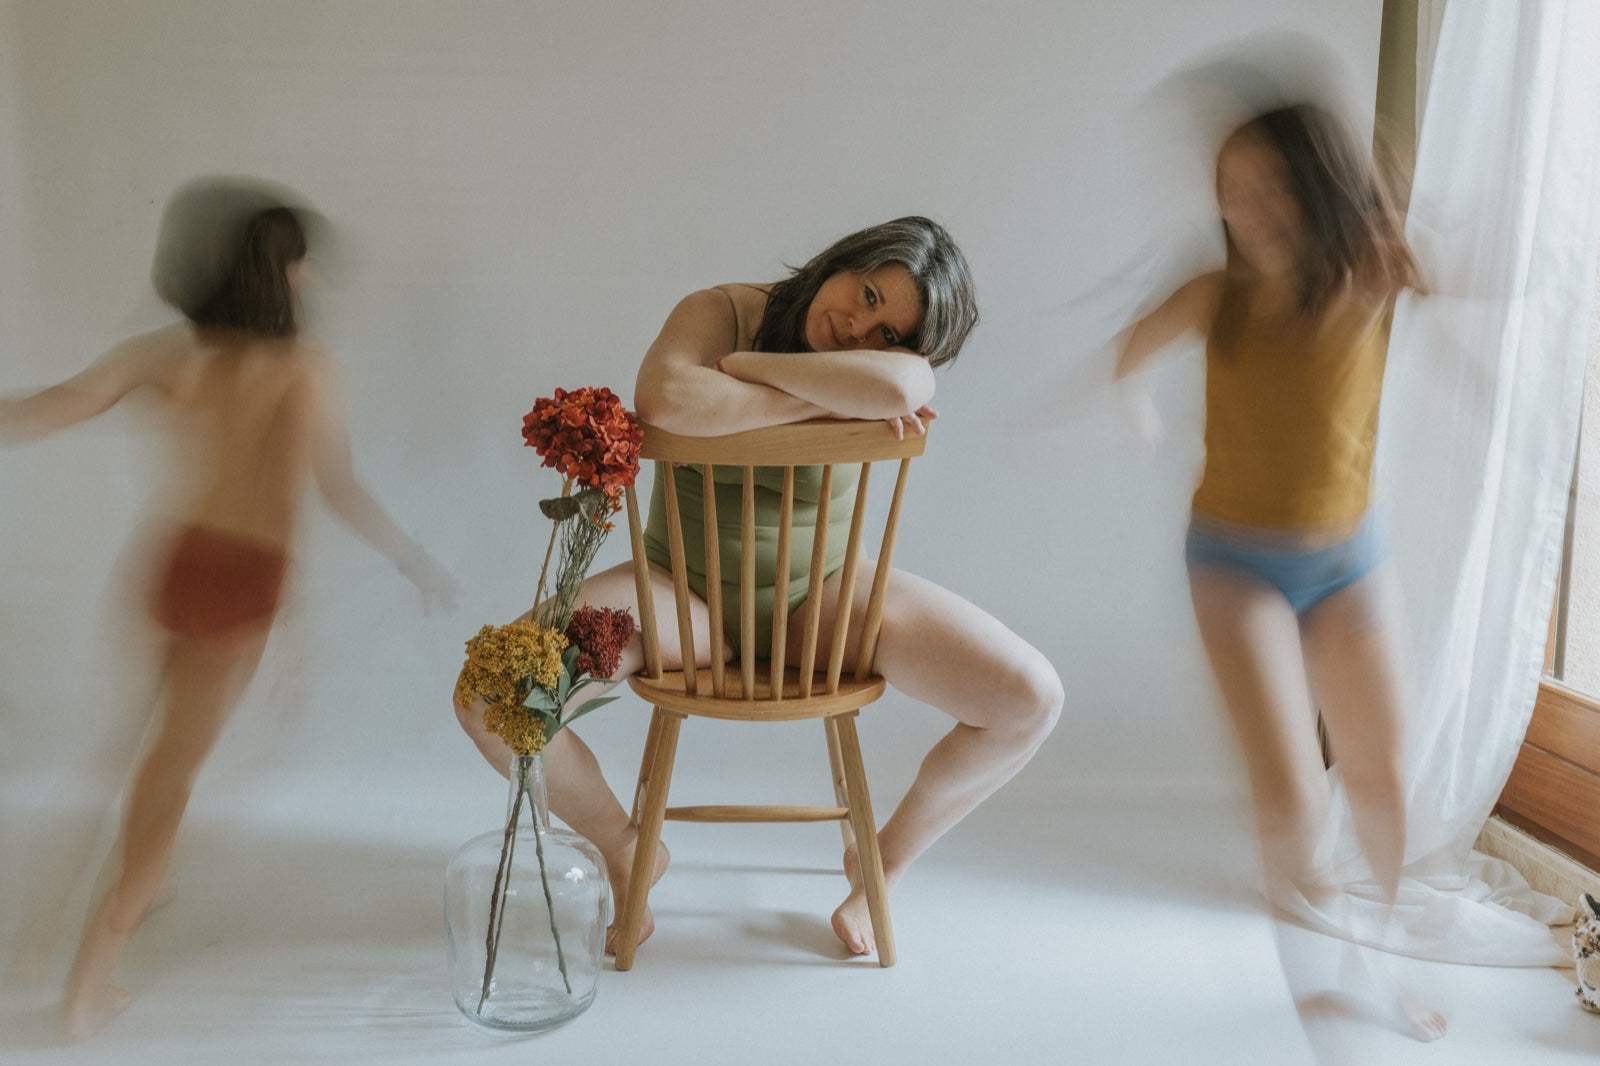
137, 361
347, 498
1191, 308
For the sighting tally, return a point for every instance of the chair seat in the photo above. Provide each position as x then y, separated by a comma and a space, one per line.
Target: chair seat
667, 692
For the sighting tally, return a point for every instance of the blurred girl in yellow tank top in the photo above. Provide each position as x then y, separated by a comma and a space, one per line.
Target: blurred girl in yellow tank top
1285, 554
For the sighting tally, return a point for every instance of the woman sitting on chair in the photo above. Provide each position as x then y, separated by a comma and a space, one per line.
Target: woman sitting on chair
855, 333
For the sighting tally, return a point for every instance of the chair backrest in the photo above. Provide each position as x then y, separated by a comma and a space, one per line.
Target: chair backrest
824, 443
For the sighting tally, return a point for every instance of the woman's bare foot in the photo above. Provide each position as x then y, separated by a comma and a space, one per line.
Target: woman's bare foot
852, 922
85, 1012
619, 867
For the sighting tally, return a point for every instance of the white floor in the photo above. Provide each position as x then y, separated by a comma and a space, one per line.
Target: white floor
1089, 930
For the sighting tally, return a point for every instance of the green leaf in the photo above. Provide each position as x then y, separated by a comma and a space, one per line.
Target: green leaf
589, 705
585, 683
541, 699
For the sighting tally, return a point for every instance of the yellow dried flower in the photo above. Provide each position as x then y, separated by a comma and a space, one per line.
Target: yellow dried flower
504, 662
515, 724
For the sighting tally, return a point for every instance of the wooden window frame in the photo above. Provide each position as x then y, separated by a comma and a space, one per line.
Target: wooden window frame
1553, 792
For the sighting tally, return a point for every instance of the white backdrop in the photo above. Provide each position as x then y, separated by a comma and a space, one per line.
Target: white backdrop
523, 191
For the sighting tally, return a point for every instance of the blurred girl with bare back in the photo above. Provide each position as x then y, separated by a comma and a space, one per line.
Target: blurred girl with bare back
253, 402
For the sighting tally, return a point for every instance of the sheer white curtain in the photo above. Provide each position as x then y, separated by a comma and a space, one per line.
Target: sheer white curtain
1478, 432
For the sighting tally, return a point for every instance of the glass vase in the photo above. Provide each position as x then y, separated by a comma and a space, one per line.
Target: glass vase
525, 915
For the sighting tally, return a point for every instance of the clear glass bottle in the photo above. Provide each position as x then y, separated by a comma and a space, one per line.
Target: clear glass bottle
525, 915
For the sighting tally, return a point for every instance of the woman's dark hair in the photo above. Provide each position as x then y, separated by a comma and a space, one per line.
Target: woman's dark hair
224, 255
1355, 235
937, 267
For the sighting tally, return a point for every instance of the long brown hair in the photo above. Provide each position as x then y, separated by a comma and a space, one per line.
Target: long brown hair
937, 267
1356, 236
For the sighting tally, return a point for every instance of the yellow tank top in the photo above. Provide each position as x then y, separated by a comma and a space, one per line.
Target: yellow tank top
1291, 417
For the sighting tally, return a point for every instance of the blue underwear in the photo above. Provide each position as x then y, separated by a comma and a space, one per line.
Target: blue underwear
1305, 578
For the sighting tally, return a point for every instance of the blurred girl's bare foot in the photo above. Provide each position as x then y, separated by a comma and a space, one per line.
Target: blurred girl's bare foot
1367, 977
86, 1011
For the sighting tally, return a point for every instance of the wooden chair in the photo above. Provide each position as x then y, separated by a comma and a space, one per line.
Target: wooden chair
774, 690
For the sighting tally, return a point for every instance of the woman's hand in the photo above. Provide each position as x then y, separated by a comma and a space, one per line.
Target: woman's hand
915, 420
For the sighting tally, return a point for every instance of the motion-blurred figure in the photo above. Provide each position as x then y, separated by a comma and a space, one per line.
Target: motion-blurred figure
1284, 546
254, 404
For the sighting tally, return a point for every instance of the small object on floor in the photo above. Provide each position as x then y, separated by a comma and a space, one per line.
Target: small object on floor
1586, 953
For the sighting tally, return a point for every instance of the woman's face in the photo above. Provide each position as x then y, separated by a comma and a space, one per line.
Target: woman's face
1257, 202
850, 312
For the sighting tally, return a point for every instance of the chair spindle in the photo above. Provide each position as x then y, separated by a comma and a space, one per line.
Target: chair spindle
680, 586
867, 652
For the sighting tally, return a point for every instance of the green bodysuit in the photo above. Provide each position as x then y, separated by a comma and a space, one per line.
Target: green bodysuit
769, 502
729, 482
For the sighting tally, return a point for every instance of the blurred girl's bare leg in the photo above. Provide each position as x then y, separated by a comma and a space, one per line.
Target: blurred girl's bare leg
1352, 653
204, 679
1252, 640
1353, 663
62, 851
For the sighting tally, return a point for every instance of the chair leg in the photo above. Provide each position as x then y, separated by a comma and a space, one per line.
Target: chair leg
645, 763
841, 794
866, 831
664, 730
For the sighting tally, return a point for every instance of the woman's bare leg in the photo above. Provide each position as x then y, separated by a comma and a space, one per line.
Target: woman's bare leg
1004, 695
1352, 654
578, 792
204, 680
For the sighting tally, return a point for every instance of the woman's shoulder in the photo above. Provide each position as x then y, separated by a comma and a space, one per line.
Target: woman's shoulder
745, 289
738, 305
742, 295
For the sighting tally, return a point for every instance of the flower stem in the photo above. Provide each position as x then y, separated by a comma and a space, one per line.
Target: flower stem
555, 527
497, 899
549, 904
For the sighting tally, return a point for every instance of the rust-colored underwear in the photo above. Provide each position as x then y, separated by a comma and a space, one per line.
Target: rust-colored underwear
217, 584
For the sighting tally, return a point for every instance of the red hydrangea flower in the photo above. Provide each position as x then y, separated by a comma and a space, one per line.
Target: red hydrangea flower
588, 436
599, 634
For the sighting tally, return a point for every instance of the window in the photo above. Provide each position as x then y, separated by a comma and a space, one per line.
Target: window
1554, 788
